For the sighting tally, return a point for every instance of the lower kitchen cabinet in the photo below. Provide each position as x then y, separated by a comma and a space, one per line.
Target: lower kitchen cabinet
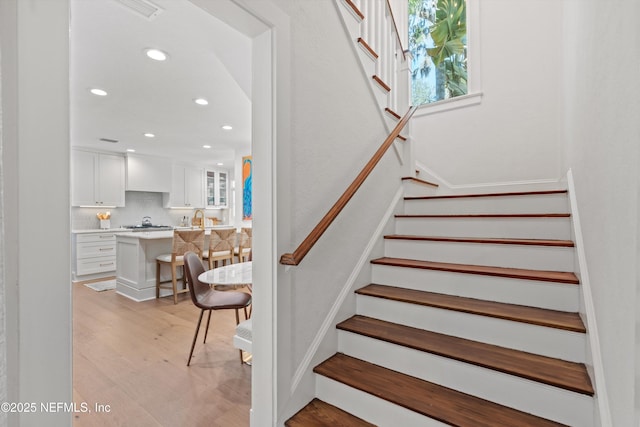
95, 255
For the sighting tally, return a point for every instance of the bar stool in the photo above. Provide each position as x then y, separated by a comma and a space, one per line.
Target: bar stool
221, 246
245, 245
183, 242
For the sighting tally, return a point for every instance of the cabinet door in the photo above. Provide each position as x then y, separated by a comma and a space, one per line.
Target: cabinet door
83, 173
176, 196
193, 191
111, 180
211, 196
222, 189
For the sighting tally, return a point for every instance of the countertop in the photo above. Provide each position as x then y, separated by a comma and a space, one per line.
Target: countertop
161, 234
100, 230
126, 230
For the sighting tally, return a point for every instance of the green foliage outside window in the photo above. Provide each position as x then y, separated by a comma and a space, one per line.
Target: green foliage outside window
438, 45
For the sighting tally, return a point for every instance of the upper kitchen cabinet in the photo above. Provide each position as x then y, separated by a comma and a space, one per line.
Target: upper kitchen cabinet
97, 179
148, 173
217, 188
187, 187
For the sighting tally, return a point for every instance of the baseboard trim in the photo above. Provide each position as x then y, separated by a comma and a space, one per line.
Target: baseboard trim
446, 187
604, 411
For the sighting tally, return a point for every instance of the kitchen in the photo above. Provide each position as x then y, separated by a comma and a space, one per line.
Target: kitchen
160, 138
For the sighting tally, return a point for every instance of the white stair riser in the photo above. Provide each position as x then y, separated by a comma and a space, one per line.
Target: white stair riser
551, 342
525, 395
368, 407
551, 258
412, 188
544, 203
526, 228
554, 296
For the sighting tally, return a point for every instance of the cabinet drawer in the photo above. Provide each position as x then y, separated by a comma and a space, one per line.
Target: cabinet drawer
96, 237
95, 249
96, 265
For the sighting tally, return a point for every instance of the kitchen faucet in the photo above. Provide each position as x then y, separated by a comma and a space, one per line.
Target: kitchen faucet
195, 214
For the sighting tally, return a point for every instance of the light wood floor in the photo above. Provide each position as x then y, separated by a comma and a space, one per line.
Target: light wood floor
132, 356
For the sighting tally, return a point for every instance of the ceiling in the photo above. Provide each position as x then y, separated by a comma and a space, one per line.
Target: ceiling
206, 59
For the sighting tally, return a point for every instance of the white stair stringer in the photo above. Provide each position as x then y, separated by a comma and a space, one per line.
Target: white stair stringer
542, 340
525, 203
534, 257
550, 295
542, 400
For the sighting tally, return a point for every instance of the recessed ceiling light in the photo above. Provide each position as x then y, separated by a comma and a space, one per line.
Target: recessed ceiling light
98, 92
149, 135
220, 164
156, 54
201, 101
131, 150
206, 146
227, 127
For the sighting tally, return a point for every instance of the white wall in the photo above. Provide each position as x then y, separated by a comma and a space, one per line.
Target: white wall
36, 152
513, 135
602, 134
334, 130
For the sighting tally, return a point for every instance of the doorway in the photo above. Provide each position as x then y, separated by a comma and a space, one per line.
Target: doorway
261, 115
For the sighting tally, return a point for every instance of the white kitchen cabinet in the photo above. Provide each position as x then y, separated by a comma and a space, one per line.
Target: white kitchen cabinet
97, 179
187, 187
95, 254
148, 173
217, 188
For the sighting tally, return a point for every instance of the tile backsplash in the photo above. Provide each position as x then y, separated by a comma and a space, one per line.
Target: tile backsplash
138, 204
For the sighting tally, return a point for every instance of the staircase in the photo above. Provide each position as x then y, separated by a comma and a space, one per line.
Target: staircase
470, 320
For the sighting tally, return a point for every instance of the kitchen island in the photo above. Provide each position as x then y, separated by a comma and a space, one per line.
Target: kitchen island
136, 254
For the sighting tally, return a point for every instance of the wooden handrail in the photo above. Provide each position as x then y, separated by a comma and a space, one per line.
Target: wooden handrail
296, 257
395, 26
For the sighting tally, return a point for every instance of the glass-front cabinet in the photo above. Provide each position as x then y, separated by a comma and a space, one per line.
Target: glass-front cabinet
217, 188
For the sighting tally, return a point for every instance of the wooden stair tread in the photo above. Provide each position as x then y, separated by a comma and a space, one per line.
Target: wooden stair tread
512, 215
459, 196
381, 83
514, 273
392, 113
429, 399
517, 313
547, 370
355, 9
364, 45
494, 240
418, 180
321, 414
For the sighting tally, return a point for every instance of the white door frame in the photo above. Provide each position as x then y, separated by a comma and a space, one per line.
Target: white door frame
36, 150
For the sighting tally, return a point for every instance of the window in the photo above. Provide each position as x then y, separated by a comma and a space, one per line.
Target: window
438, 45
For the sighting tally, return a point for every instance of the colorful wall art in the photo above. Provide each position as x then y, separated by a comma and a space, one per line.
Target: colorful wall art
247, 174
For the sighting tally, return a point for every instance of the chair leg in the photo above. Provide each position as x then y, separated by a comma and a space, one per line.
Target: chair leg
245, 314
237, 318
157, 279
195, 337
206, 331
174, 283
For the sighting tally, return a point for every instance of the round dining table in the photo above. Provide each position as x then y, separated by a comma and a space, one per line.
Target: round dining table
238, 274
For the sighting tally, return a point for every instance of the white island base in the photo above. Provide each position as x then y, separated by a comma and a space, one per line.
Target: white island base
136, 254
136, 263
